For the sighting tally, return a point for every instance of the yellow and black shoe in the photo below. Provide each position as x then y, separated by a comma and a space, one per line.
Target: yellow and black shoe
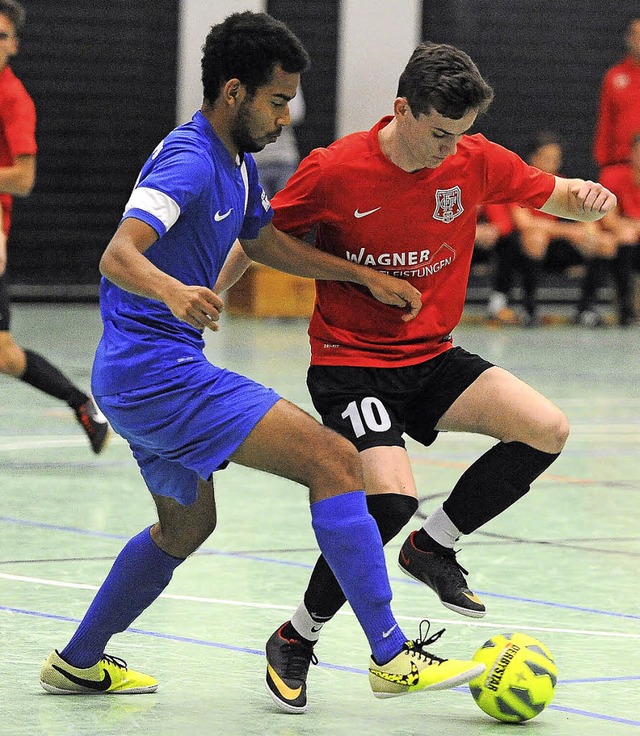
414, 668
109, 676
288, 663
442, 572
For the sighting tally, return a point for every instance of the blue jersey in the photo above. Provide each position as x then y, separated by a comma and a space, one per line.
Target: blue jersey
198, 200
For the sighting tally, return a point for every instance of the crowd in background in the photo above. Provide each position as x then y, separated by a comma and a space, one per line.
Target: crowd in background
522, 244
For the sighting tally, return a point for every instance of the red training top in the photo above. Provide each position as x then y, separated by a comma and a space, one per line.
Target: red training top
620, 180
618, 113
418, 226
17, 129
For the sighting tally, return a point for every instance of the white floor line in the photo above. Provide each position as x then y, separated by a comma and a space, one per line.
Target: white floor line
509, 626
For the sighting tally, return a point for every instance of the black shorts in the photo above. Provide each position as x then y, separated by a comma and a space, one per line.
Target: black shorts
5, 305
374, 407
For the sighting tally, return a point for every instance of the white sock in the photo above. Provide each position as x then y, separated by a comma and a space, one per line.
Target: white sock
305, 625
497, 302
440, 527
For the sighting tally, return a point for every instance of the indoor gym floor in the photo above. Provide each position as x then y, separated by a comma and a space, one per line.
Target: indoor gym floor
562, 565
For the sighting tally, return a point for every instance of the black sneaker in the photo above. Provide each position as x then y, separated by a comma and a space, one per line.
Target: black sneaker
94, 423
444, 574
288, 663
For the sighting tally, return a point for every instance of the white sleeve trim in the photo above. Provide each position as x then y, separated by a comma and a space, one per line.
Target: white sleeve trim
155, 203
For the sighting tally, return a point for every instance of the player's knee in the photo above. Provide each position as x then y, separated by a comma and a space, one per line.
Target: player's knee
181, 540
334, 464
556, 431
391, 512
12, 361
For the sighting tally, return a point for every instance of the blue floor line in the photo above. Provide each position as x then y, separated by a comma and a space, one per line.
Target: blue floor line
354, 670
288, 563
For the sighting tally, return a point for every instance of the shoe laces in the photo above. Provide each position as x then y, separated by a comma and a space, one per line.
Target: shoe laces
451, 555
298, 655
110, 659
418, 646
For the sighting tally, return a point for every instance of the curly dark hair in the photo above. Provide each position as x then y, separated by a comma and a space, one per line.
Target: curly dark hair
14, 12
443, 78
248, 46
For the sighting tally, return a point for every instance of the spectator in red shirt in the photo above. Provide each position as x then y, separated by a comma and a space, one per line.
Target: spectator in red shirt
546, 241
17, 177
624, 223
619, 108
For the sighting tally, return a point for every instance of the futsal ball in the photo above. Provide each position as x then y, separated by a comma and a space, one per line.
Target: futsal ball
519, 680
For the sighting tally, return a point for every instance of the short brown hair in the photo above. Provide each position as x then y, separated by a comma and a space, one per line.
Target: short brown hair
443, 78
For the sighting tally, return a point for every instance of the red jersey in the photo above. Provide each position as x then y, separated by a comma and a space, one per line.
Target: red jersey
620, 180
17, 129
618, 113
418, 226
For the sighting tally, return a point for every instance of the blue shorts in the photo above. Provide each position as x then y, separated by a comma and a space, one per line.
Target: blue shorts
187, 427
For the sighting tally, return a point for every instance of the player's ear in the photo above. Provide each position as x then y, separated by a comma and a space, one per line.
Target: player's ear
234, 92
401, 107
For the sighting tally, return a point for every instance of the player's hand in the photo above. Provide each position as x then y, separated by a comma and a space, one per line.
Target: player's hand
397, 292
592, 197
196, 305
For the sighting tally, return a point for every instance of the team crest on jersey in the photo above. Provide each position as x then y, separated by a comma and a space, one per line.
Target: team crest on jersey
264, 200
448, 204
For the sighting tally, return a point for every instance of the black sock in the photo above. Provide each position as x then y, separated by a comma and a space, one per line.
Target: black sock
530, 278
493, 483
593, 278
40, 374
289, 632
426, 543
391, 511
622, 271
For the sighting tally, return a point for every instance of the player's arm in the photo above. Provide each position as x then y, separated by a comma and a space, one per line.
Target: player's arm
285, 253
19, 178
577, 199
123, 262
234, 267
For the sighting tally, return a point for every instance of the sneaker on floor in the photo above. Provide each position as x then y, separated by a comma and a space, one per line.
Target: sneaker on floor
442, 572
94, 423
288, 663
589, 318
109, 676
414, 668
504, 316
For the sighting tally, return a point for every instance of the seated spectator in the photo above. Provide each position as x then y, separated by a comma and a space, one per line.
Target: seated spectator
624, 223
495, 232
546, 241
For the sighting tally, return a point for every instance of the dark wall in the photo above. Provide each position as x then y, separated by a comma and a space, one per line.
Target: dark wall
103, 78
316, 25
545, 60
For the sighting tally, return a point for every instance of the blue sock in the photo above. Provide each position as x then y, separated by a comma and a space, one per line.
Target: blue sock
350, 541
140, 573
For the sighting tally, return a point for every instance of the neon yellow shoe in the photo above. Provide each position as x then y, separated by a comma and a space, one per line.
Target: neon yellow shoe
109, 676
414, 668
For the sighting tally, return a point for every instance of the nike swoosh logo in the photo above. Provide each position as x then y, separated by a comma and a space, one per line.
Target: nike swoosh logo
385, 634
99, 685
407, 680
218, 217
315, 629
284, 690
357, 214
473, 597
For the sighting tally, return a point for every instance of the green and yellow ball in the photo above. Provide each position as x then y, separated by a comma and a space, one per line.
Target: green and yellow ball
520, 678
